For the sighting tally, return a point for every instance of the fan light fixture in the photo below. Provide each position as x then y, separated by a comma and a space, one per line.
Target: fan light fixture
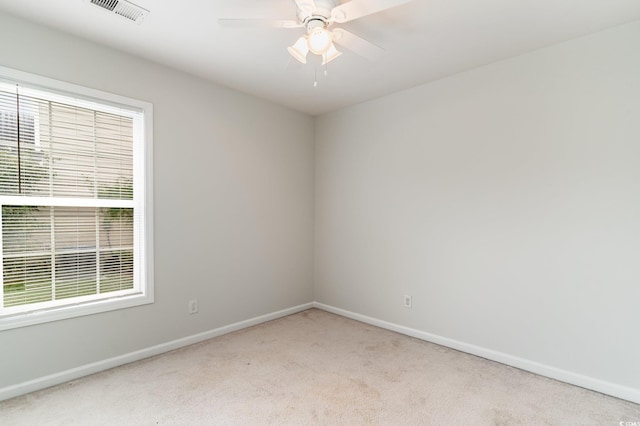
318, 41
330, 55
300, 50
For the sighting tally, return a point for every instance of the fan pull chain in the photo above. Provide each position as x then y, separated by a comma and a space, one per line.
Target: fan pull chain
315, 76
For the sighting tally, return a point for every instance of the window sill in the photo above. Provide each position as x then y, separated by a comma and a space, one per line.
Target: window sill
71, 311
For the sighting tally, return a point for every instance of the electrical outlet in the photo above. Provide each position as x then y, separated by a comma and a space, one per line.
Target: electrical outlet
407, 301
193, 306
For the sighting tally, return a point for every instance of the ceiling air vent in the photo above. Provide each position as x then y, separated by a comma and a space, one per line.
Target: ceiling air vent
123, 8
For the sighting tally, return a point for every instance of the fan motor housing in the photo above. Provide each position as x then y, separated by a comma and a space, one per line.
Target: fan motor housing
322, 10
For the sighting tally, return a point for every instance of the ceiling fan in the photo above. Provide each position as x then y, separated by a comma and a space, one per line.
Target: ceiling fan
317, 17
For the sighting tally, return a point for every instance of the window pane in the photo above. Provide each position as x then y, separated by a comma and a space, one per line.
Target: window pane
75, 228
75, 251
26, 241
116, 270
64, 150
92, 251
8, 145
8, 171
116, 249
75, 274
34, 171
26, 230
114, 154
72, 150
8, 119
27, 279
116, 228
21, 144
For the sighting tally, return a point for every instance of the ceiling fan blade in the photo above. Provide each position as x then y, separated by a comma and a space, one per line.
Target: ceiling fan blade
257, 23
357, 44
355, 9
308, 6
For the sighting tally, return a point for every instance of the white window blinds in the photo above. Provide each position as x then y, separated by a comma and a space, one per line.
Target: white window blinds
69, 202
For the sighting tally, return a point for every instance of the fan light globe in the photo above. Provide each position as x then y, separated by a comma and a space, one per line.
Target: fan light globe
300, 50
319, 41
331, 54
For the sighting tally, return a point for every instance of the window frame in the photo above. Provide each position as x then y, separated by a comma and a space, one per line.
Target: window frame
143, 201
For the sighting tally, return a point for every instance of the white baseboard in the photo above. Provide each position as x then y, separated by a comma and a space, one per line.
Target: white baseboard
85, 370
619, 391
612, 389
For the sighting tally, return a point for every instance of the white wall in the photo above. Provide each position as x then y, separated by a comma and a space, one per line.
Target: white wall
233, 206
505, 200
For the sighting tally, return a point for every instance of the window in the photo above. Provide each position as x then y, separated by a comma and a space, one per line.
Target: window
75, 198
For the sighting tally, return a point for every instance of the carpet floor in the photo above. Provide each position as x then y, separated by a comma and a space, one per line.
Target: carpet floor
316, 368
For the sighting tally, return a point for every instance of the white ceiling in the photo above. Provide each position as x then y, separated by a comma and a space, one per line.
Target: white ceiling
424, 40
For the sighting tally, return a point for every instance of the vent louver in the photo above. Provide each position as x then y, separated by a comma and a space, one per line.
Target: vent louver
123, 8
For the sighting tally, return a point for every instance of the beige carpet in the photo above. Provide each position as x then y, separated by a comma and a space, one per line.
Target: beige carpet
316, 368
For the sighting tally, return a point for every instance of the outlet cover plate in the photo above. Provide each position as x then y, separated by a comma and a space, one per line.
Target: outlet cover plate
407, 301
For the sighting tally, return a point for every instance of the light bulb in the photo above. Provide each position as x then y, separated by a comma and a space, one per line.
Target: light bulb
319, 40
